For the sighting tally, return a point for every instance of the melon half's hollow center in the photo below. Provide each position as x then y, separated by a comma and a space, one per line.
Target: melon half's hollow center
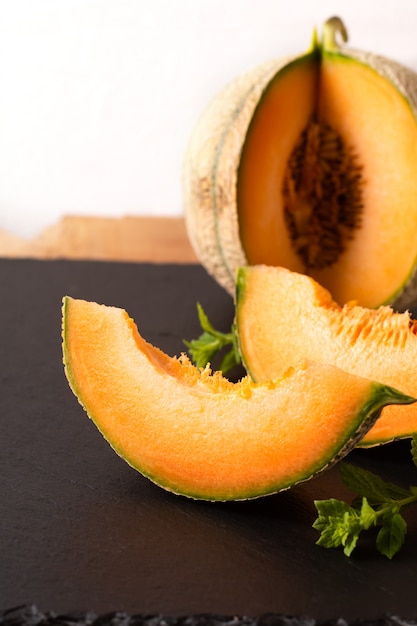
322, 192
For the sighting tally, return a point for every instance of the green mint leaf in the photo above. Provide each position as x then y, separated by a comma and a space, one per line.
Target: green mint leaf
369, 485
414, 449
351, 539
211, 342
229, 361
204, 320
396, 492
391, 536
338, 523
203, 349
329, 510
368, 515
377, 503
225, 339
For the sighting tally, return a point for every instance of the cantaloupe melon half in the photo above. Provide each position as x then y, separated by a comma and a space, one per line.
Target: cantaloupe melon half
283, 317
371, 256
311, 164
199, 434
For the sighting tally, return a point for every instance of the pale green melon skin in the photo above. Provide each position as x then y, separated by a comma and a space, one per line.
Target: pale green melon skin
211, 163
210, 173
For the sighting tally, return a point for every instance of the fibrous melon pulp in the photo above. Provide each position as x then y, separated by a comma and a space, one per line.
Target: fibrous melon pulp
199, 434
283, 317
310, 163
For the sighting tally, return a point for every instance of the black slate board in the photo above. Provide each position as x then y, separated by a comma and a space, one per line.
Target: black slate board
82, 531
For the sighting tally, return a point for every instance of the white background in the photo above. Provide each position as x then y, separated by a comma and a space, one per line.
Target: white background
98, 97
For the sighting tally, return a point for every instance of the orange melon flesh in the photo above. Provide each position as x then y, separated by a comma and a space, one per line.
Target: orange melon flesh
198, 434
284, 111
371, 114
374, 118
283, 317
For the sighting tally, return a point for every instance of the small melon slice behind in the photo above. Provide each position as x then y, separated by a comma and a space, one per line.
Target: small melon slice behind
198, 434
283, 317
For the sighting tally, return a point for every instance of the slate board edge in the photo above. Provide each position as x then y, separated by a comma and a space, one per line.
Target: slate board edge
30, 615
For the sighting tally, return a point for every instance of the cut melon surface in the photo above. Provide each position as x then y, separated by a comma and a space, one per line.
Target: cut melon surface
198, 434
372, 115
283, 317
340, 91
285, 109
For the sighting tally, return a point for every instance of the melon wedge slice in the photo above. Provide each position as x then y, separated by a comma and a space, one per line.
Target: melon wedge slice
283, 317
198, 434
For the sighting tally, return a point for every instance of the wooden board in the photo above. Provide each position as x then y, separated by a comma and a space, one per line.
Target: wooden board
117, 239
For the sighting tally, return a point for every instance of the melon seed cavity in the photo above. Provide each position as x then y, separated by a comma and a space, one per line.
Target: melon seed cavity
322, 192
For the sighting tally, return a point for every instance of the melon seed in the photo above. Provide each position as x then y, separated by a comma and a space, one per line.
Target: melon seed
322, 192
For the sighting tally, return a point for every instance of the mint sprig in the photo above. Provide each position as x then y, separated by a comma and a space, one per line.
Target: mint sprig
378, 503
211, 343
